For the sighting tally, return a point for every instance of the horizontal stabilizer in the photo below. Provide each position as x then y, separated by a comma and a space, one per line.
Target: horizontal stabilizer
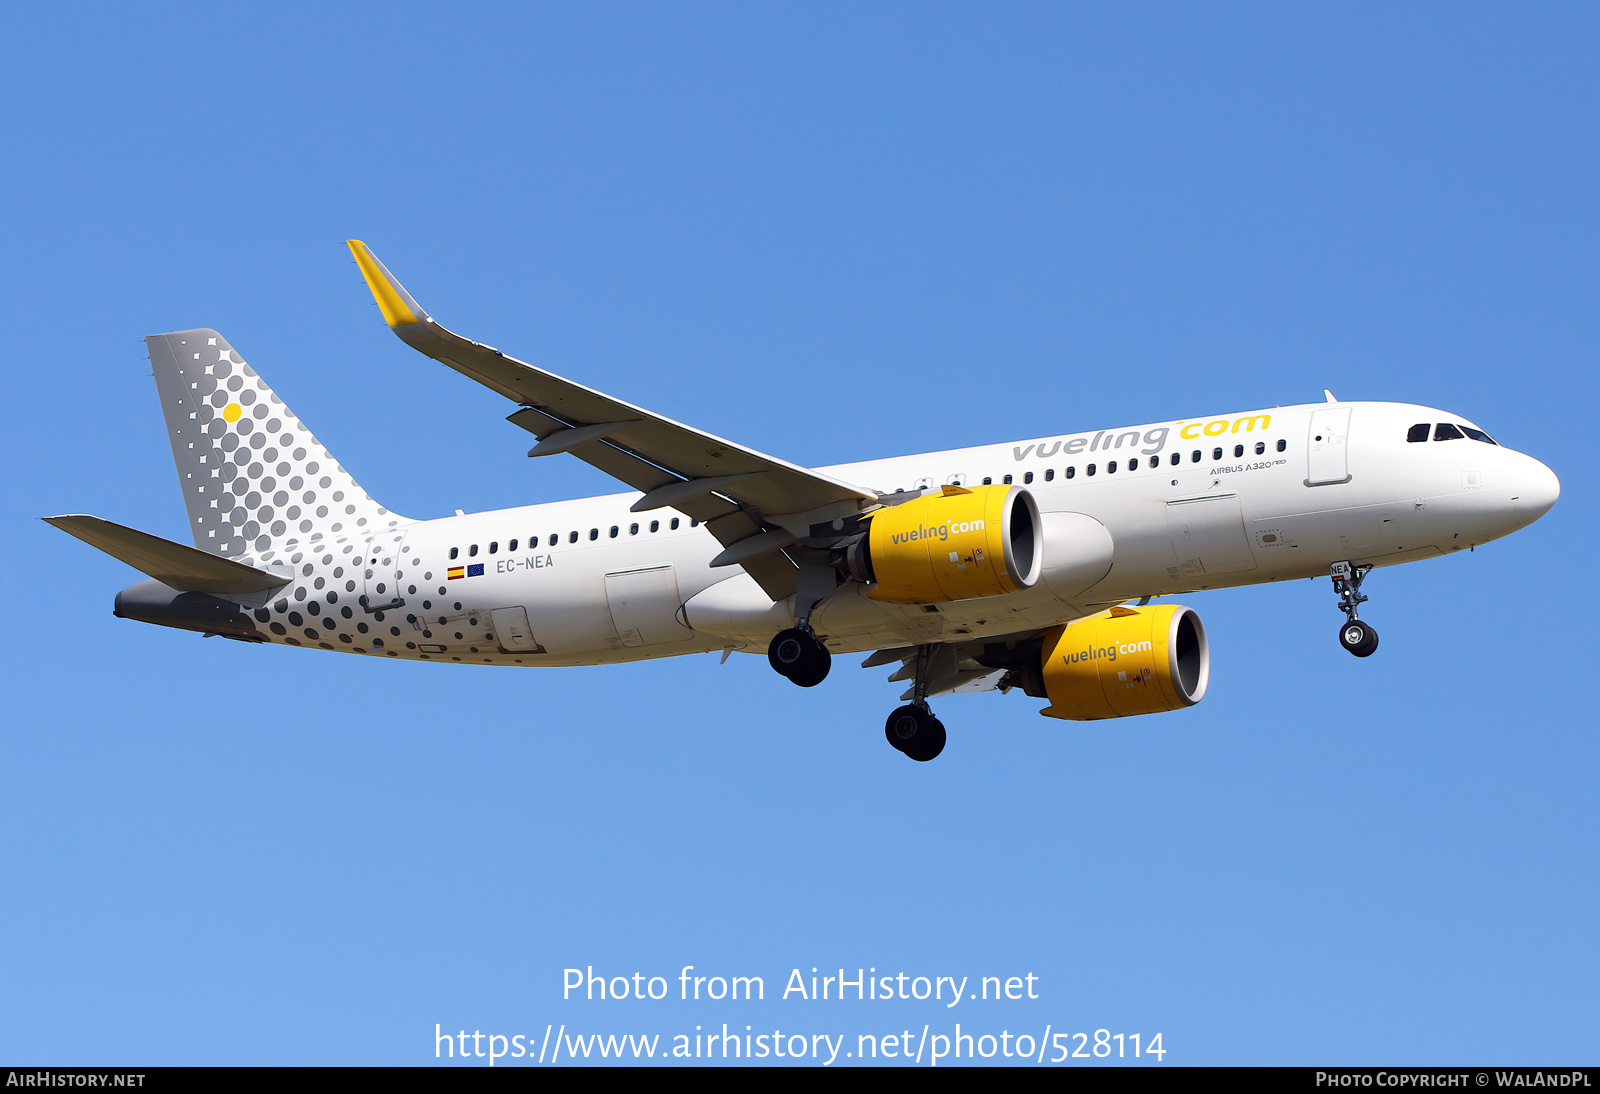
175, 565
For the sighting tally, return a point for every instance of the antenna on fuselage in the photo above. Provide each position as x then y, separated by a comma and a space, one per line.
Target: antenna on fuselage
1329, 395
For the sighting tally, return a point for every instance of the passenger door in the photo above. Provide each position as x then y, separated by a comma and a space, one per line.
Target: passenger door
1326, 446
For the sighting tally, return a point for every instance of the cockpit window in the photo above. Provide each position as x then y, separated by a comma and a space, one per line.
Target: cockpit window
1418, 432
1444, 431
1477, 434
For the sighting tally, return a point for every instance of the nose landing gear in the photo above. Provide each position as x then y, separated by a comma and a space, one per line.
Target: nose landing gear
1359, 638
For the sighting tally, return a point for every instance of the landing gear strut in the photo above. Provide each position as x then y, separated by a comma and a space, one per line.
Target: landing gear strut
913, 729
798, 654
1354, 635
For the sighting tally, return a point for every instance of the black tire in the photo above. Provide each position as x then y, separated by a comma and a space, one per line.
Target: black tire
1358, 637
915, 731
1372, 643
791, 651
816, 670
930, 748
902, 727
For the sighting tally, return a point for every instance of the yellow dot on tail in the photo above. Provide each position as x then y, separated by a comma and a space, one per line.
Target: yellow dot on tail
231, 412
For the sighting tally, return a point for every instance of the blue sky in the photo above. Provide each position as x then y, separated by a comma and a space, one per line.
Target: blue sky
832, 232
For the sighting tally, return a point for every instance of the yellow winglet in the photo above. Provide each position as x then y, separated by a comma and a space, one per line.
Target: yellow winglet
399, 309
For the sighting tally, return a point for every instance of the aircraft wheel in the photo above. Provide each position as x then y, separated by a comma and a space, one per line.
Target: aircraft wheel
1358, 637
799, 656
816, 670
902, 727
916, 732
932, 747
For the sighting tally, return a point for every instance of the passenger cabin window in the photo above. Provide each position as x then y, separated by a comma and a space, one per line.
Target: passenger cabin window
655, 526
1477, 434
694, 524
633, 529
1050, 474
555, 538
1089, 470
494, 547
455, 552
1072, 472
572, 537
594, 534
1418, 433
1216, 453
1006, 480
473, 550
1261, 447
1027, 478
1133, 464
674, 524
988, 480
1111, 468
614, 530
1444, 431
1283, 446
1195, 458
512, 546
1238, 450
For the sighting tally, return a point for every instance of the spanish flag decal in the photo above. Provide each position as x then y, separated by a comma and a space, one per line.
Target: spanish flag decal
455, 572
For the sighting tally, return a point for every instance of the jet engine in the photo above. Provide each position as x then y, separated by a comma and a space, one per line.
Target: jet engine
1126, 661
959, 544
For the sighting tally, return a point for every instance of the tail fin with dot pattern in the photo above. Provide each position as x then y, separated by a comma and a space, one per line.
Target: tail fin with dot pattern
254, 478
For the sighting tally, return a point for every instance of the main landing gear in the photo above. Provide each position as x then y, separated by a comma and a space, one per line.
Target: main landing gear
913, 729
798, 654
1354, 635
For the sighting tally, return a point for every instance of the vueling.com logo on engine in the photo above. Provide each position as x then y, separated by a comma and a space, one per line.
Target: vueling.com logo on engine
1106, 653
937, 531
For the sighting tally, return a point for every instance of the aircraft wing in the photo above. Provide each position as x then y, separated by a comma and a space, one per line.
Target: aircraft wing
735, 491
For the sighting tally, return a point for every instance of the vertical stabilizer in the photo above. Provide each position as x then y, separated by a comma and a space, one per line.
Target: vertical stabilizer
254, 479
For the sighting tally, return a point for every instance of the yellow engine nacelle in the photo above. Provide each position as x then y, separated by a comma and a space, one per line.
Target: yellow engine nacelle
959, 544
1126, 661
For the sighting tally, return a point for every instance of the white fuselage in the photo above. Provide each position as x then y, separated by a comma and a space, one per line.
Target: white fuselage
587, 581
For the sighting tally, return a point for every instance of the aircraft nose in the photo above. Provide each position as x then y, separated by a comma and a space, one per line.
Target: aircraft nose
1536, 491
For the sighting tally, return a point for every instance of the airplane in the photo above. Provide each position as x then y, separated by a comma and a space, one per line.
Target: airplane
1028, 565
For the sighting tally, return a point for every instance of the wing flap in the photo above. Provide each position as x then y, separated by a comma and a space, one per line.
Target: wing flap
176, 565
686, 452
